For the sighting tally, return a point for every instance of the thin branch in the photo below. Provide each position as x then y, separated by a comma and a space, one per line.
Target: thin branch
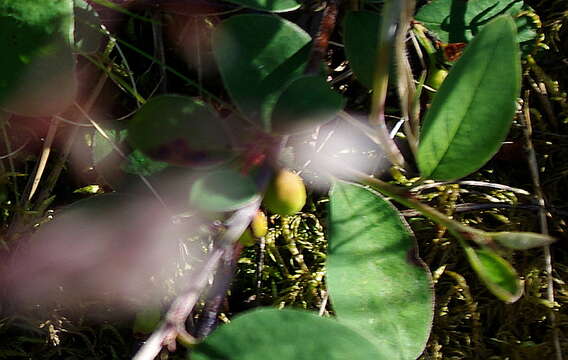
180, 310
467, 207
45, 151
405, 81
390, 17
60, 163
4, 117
321, 40
533, 166
14, 152
472, 183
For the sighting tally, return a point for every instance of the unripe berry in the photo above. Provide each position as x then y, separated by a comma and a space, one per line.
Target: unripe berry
259, 224
286, 194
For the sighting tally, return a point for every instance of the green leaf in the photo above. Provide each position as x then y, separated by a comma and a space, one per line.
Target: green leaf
179, 130
472, 112
521, 240
139, 164
258, 55
223, 189
305, 103
497, 274
136, 162
456, 21
361, 37
375, 279
102, 148
285, 335
269, 5
37, 66
88, 34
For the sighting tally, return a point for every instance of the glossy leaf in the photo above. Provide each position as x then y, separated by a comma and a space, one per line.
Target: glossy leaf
307, 102
285, 335
258, 55
455, 21
269, 5
179, 130
223, 189
361, 37
37, 66
497, 274
472, 112
375, 279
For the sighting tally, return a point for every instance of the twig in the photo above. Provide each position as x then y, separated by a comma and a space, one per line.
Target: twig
472, 183
182, 306
14, 152
321, 40
179, 310
4, 117
45, 151
259, 268
380, 83
51, 180
159, 52
533, 166
467, 207
209, 319
405, 83
323, 304
59, 165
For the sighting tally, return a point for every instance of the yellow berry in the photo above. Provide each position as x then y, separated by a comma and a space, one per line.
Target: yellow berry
286, 194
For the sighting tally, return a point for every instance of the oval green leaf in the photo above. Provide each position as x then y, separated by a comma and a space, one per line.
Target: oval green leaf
497, 274
456, 21
269, 5
375, 279
223, 189
179, 130
361, 37
37, 65
258, 55
285, 335
472, 112
307, 102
